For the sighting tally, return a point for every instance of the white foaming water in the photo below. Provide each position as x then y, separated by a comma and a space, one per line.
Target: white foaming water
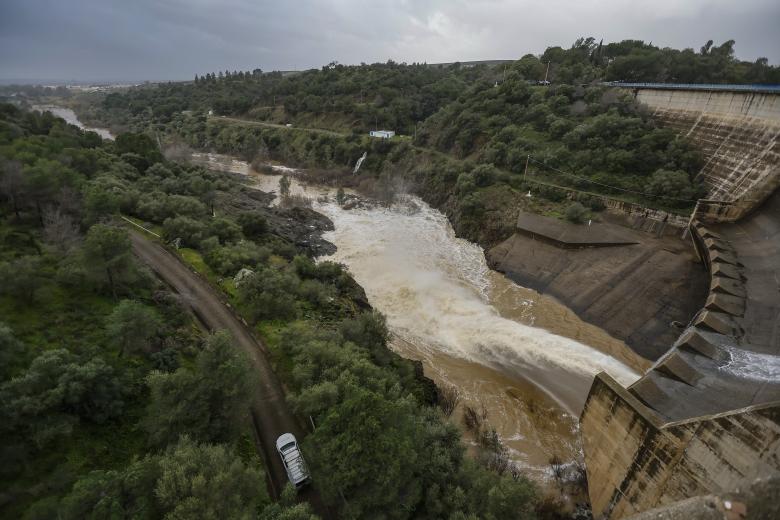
753, 365
434, 289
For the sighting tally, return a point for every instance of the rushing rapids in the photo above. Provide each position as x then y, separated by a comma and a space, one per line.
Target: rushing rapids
525, 359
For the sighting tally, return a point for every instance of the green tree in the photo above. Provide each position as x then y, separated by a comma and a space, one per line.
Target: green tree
132, 326
210, 403
253, 224
188, 480
102, 199
126, 493
141, 145
12, 184
367, 434
189, 230
208, 482
55, 391
107, 252
45, 179
269, 294
11, 349
22, 277
672, 186
287, 507
225, 229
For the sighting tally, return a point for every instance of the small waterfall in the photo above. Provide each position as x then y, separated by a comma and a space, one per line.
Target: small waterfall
359, 162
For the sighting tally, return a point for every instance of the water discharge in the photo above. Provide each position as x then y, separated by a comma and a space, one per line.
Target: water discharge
525, 358
70, 117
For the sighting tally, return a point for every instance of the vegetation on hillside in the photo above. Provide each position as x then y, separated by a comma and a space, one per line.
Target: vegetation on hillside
119, 406
572, 133
90, 338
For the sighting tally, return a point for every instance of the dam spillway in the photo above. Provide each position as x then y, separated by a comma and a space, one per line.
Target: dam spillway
706, 417
736, 132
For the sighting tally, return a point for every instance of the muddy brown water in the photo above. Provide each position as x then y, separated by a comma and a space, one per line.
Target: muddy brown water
523, 357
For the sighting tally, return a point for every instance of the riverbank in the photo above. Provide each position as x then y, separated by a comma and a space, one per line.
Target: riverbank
524, 359
639, 293
669, 291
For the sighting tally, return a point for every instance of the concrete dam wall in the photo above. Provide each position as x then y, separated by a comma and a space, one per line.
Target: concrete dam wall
737, 132
706, 416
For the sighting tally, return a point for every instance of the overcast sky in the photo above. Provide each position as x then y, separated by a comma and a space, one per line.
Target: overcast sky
113, 40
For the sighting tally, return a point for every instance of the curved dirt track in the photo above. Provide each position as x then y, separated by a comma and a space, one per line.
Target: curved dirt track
270, 413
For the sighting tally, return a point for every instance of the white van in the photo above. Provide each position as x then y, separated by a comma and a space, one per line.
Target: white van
292, 459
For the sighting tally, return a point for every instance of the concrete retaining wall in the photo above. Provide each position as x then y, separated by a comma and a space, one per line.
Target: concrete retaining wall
697, 422
737, 132
636, 462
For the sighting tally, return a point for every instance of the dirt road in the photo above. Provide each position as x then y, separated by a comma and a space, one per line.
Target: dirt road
276, 125
270, 413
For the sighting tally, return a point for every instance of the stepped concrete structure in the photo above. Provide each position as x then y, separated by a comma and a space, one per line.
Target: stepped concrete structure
706, 416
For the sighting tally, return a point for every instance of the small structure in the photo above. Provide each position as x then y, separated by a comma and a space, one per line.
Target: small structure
382, 134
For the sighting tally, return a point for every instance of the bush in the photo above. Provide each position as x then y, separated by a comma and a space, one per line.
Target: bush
672, 186
228, 260
209, 403
596, 204
253, 224
484, 175
269, 294
576, 213
226, 230
190, 231
55, 391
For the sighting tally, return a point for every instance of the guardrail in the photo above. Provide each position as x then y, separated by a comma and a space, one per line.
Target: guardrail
757, 88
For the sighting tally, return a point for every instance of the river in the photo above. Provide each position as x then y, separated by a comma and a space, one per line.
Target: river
524, 358
70, 117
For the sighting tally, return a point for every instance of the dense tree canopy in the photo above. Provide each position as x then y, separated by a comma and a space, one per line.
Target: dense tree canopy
209, 403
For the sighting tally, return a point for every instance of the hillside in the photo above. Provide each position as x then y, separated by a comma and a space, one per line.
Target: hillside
572, 133
120, 404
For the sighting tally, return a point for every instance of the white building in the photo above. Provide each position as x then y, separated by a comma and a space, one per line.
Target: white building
382, 134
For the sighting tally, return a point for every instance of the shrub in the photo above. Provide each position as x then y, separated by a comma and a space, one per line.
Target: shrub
484, 175
253, 224
576, 213
228, 260
189, 230
269, 294
226, 230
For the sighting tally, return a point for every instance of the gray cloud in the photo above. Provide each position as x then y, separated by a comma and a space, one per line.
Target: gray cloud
174, 39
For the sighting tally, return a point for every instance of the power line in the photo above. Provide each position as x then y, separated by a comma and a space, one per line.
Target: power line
644, 194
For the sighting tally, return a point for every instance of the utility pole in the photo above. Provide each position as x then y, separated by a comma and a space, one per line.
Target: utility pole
546, 71
525, 174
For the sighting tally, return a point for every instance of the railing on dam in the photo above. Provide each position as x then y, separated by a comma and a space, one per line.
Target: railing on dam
757, 88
